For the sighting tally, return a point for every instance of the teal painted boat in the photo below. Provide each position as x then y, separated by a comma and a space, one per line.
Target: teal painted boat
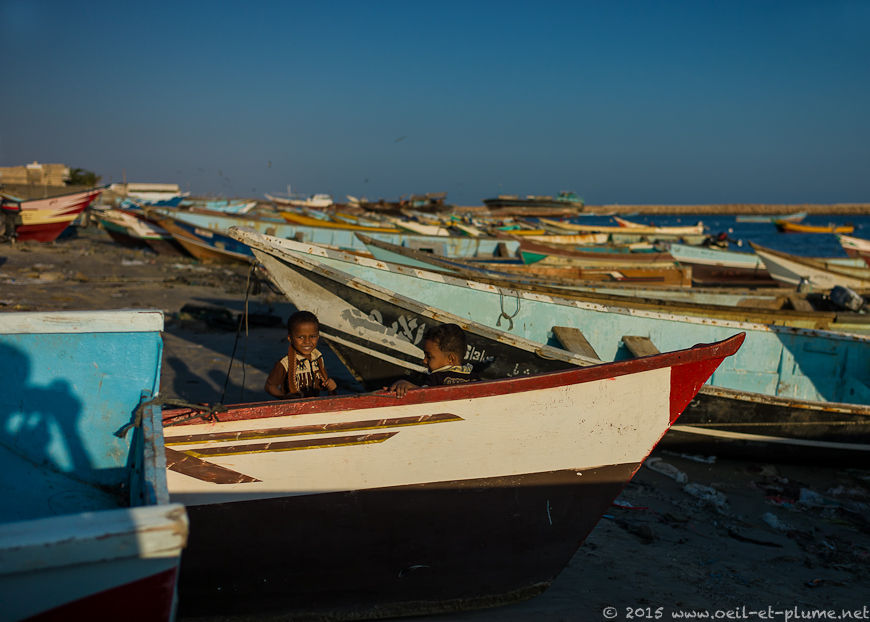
785, 373
453, 246
86, 528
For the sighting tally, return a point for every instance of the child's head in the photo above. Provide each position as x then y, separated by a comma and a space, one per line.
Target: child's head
303, 332
443, 345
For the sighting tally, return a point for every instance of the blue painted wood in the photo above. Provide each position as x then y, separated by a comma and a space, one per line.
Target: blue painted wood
774, 360
63, 395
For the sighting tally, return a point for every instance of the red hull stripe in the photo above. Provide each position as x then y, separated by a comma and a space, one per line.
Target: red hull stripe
704, 357
686, 381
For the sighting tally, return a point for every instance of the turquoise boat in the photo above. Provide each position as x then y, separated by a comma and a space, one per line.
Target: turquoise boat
782, 368
345, 238
86, 528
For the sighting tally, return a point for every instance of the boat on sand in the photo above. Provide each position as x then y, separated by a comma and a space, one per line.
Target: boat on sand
389, 514
87, 531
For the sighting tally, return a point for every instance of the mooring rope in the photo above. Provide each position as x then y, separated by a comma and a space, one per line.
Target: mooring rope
242, 318
201, 410
503, 314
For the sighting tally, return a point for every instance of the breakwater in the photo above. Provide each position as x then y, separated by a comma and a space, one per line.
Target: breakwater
734, 208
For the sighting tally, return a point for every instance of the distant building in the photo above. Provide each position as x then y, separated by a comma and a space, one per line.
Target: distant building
35, 174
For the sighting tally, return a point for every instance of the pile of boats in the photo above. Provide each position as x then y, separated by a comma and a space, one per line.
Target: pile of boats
594, 344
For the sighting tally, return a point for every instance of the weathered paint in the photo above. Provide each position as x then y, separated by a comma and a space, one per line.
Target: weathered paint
776, 360
43, 220
91, 515
342, 238
492, 497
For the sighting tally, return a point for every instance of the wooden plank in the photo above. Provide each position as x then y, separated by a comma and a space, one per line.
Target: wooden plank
639, 346
573, 340
799, 303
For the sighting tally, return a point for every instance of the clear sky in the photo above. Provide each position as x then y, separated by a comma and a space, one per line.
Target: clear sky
756, 101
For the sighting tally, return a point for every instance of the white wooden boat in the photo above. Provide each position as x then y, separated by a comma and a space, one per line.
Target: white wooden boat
453, 497
821, 274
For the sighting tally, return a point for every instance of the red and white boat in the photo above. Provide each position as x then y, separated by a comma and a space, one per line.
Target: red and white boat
43, 220
453, 497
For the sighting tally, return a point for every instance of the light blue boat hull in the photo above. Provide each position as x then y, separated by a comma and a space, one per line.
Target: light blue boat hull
774, 360
346, 238
86, 507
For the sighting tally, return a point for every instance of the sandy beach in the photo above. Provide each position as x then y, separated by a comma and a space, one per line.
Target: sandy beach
737, 539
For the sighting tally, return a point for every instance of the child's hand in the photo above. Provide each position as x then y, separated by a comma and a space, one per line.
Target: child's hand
400, 387
330, 385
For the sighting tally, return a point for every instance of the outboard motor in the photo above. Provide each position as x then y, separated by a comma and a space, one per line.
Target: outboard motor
845, 298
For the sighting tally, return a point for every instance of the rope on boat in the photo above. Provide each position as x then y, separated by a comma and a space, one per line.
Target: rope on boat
242, 317
509, 318
203, 411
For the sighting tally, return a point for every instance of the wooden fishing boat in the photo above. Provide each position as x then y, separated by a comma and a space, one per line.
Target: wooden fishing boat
42, 220
593, 267
130, 229
796, 217
206, 245
420, 228
533, 251
451, 498
221, 205
822, 371
724, 268
308, 221
573, 239
634, 230
855, 247
787, 226
701, 300
563, 202
86, 528
675, 230
319, 201
453, 246
791, 269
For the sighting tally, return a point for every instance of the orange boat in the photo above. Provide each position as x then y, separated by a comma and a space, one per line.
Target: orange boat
795, 227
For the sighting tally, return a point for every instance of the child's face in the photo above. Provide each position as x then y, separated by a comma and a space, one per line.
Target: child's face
435, 358
304, 337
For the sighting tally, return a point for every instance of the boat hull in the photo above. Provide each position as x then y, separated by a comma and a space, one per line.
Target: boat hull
404, 550
43, 220
449, 498
91, 533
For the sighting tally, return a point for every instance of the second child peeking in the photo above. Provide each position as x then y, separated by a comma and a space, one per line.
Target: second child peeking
443, 352
302, 373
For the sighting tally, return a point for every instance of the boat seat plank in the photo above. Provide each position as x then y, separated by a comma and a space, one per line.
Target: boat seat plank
798, 303
639, 346
573, 340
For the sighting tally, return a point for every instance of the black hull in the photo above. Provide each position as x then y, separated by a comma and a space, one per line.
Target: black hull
782, 431
490, 357
404, 550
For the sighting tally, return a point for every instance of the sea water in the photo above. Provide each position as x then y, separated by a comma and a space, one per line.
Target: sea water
762, 233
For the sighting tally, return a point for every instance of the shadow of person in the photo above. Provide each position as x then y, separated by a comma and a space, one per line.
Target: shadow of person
39, 434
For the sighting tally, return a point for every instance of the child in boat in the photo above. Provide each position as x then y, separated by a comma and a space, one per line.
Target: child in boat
302, 372
443, 352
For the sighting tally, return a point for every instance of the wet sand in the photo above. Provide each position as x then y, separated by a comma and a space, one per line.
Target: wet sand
736, 538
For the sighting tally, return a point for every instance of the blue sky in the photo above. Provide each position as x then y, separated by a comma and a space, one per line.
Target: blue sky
734, 101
